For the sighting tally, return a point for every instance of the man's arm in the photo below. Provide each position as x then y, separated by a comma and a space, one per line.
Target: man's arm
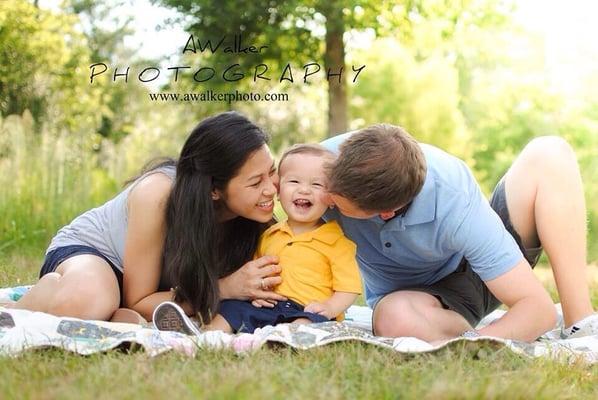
495, 256
531, 311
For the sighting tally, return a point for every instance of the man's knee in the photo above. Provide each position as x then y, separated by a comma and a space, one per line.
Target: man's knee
396, 316
546, 151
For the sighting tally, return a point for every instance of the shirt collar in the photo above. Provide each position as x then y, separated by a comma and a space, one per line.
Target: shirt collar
327, 233
422, 208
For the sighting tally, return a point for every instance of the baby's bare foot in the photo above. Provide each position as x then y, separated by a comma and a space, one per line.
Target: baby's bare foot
128, 316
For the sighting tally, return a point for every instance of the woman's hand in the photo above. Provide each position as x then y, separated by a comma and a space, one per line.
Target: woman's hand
254, 280
259, 303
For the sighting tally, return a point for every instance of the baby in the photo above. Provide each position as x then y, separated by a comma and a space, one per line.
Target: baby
320, 276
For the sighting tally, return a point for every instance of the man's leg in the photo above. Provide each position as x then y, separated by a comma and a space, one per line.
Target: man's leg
546, 204
417, 314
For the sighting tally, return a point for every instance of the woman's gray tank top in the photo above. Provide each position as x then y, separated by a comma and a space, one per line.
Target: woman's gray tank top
104, 228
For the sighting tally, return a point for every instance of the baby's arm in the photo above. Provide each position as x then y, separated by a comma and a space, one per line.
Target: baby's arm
334, 306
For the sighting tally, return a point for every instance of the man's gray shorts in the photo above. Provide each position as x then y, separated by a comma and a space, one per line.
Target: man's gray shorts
463, 291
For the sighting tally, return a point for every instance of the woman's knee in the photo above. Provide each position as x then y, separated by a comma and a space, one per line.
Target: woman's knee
88, 293
86, 301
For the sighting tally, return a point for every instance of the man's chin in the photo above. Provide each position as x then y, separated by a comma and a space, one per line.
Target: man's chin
360, 216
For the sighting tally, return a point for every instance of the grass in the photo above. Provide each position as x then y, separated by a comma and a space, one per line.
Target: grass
340, 371
336, 372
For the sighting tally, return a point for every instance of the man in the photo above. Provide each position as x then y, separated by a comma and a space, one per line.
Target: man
436, 257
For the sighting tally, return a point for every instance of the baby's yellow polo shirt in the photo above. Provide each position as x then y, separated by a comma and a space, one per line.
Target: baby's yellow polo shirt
314, 264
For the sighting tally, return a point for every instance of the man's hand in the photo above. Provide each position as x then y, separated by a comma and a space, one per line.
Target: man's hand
531, 311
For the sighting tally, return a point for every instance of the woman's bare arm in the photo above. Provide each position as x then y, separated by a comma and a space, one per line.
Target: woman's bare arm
146, 231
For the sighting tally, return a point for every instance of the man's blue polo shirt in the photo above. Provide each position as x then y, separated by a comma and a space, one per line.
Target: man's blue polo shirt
449, 219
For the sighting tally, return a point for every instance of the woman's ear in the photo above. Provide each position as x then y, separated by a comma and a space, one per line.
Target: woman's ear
215, 195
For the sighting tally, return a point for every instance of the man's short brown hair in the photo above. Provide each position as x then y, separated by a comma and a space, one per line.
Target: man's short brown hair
380, 168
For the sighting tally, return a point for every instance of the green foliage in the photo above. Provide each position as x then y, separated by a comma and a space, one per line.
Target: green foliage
105, 43
421, 96
105, 31
41, 59
296, 33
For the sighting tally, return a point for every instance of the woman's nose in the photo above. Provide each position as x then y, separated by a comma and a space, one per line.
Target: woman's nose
272, 186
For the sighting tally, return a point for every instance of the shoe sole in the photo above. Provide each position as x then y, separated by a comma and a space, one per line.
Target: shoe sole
167, 317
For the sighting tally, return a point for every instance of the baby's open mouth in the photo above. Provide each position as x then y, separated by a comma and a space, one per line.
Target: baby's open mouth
302, 203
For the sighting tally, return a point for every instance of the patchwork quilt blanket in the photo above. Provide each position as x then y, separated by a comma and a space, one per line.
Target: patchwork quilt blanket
22, 330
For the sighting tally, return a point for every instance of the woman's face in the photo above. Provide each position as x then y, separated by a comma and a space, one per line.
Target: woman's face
251, 193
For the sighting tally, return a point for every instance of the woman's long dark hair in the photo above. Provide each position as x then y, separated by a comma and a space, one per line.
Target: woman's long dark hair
198, 250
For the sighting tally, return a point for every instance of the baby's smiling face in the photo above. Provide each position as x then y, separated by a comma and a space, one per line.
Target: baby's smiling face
302, 185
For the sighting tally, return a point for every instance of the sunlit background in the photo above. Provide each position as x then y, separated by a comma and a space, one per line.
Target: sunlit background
567, 31
479, 78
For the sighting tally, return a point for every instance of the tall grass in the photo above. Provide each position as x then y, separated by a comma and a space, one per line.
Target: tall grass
46, 179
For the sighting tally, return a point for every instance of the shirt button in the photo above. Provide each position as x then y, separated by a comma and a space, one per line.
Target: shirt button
387, 244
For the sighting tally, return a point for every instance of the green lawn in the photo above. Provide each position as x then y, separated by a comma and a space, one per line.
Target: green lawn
346, 370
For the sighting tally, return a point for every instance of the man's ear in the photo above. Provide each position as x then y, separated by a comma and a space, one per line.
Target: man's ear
386, 215
326, 198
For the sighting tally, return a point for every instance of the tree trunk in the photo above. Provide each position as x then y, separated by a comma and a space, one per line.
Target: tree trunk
334, 60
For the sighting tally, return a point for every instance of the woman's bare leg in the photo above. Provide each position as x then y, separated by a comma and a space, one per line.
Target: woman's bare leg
82, 286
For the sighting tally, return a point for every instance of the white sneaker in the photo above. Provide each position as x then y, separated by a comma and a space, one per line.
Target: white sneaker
585, 327
168, 316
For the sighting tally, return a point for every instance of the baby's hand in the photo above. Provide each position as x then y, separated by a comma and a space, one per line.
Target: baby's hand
320, 308
259, 303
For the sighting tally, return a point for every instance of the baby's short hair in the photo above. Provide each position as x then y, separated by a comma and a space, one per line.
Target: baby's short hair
306, 148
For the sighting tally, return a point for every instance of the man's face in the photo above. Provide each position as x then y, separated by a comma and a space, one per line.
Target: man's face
350, 209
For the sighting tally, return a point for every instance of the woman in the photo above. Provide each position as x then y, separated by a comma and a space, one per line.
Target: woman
183, 231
